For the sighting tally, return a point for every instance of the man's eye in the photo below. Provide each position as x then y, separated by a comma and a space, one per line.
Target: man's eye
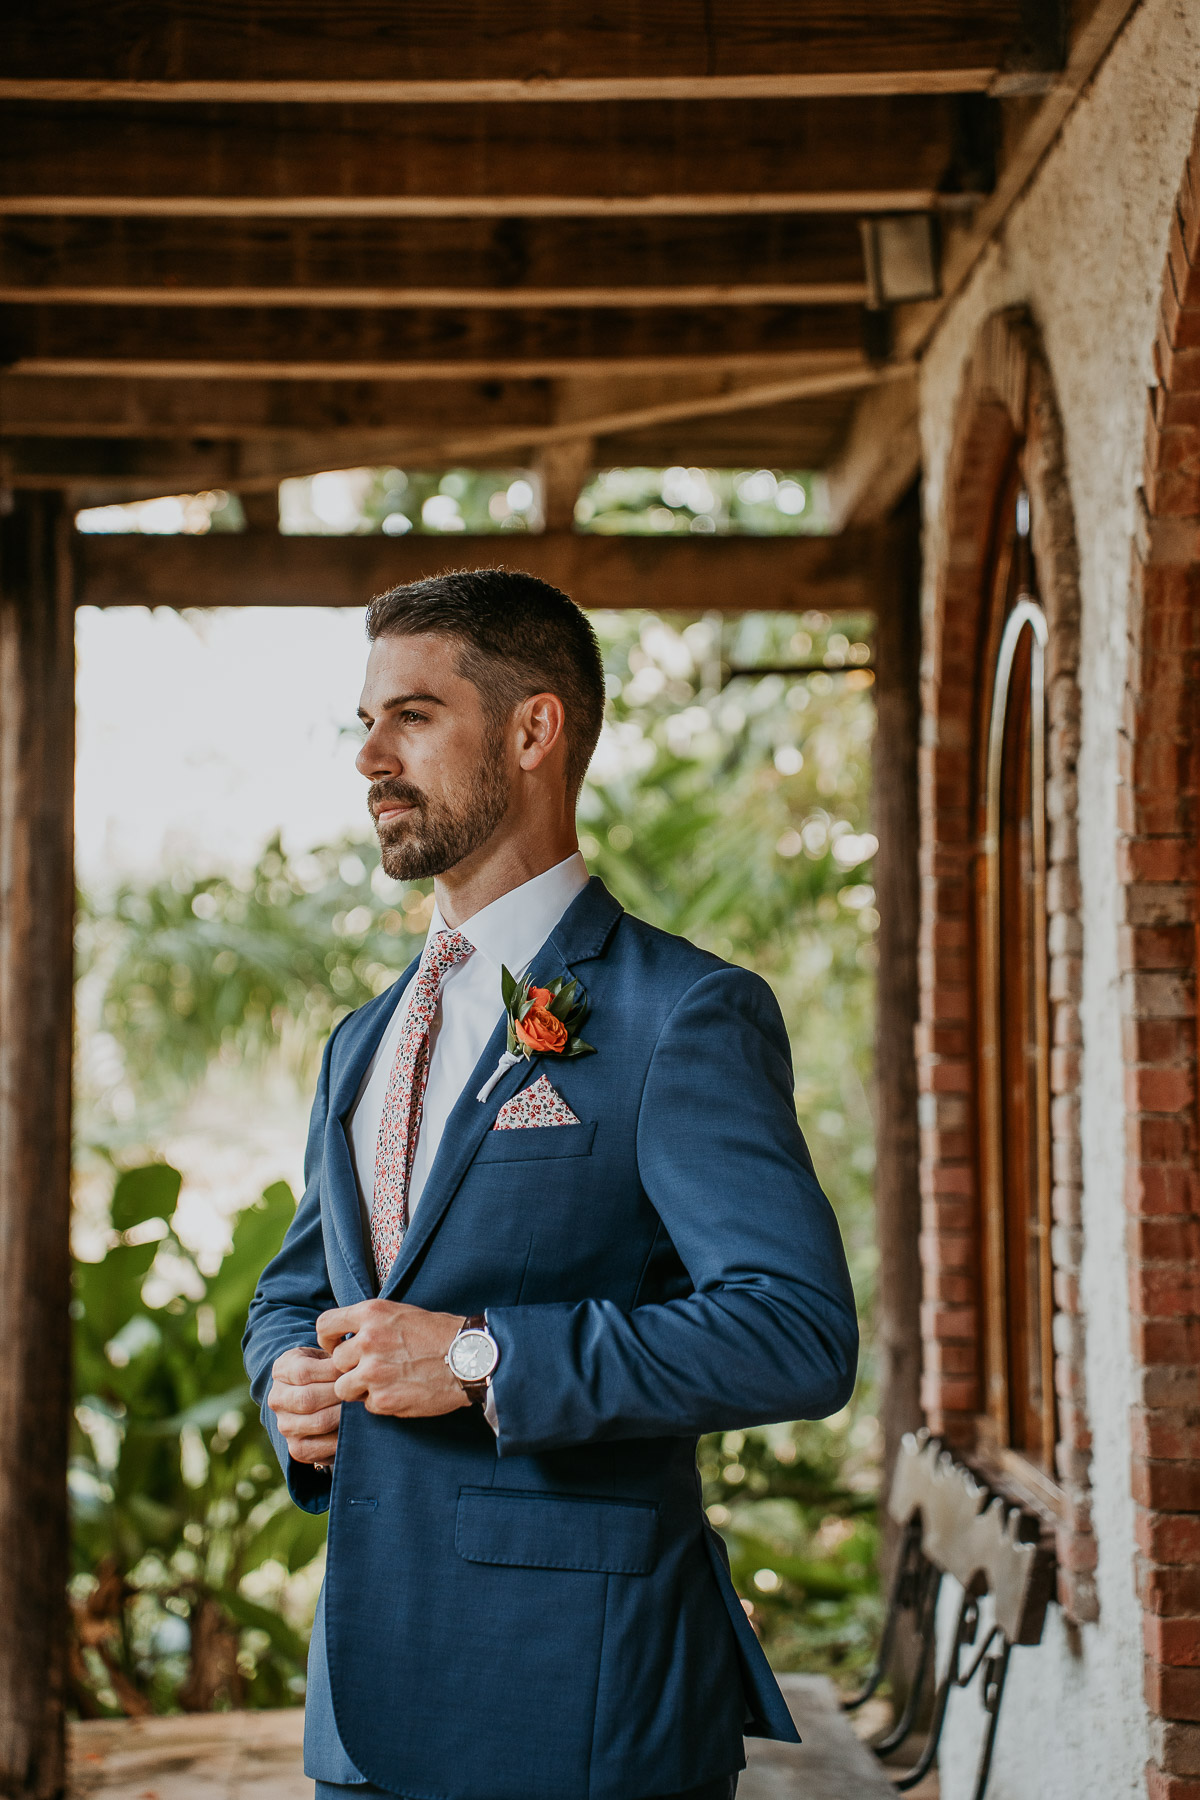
414, 718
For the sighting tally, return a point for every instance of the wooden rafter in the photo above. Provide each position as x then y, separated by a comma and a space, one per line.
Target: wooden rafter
608, 412
605, 157
475, 49
37, 406
699, 261
848, 573
364, 344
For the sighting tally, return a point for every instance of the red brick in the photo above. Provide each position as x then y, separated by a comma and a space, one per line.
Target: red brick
1172, 1693
1167, 1434
1154, 1188
1169, 1537
1156, 859
1168, 1290
1165, 1340
1172, 1641
1163, 1240
1161, 1138
1166, 1486
1161, 1786
1151, 1090
1158, 1040
1172, 1592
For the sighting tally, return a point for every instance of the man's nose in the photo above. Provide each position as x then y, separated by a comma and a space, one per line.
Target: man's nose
375, 760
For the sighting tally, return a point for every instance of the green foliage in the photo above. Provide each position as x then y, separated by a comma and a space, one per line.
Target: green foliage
642, 502
796, 1506
176, 1494
194, 968
630, 501
732, 809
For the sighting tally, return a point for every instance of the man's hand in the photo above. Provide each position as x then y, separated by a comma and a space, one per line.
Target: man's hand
305, 1404
392, 1358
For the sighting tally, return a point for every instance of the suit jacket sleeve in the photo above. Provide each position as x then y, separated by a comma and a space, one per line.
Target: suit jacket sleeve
769, 1331
293, 1291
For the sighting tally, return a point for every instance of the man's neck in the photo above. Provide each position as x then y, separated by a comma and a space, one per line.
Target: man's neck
474, 883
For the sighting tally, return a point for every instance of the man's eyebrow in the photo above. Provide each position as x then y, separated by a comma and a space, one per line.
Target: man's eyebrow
398, 700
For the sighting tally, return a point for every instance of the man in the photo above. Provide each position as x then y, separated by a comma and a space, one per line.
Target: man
520, 1283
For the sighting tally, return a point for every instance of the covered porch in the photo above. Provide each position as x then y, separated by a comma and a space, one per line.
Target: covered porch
237, 248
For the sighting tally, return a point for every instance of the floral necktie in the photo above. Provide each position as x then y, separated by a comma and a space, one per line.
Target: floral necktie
403, 1101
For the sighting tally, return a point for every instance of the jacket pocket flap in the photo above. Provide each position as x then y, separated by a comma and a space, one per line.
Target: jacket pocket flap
527, 1142
553, 1531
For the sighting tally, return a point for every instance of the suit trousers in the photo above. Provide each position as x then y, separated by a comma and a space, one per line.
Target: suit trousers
723, 1789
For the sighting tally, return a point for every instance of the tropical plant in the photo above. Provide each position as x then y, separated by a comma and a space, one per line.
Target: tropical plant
176, 1494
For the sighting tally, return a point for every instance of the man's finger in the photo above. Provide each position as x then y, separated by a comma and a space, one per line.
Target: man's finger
351, 1386
346, 1354
314, 1450
333, 1326
310, 1424
283, 1397
303, 1364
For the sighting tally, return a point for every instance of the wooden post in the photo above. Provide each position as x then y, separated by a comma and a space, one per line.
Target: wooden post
897, 1194
37, 748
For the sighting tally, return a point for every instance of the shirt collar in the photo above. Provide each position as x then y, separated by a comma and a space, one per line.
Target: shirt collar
511, 930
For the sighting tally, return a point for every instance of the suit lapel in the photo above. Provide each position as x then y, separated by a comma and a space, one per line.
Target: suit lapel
341, 1189
581, 933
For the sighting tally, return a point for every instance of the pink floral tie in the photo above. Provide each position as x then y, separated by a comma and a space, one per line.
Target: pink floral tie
404, 1099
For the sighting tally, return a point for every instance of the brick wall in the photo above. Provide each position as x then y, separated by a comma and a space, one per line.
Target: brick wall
1158, 867
1007, 400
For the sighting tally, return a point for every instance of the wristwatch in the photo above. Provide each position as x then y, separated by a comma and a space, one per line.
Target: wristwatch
472, 1358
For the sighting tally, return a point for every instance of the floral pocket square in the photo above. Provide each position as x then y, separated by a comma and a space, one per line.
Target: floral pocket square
538, 1104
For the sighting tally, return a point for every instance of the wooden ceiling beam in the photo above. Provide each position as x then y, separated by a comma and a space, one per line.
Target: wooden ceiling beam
620, 158
362, 344
880, 457
772, 259
36, 406
848, 573
608, 411
479, 50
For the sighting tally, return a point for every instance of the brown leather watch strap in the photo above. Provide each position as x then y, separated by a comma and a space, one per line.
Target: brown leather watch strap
476, 1391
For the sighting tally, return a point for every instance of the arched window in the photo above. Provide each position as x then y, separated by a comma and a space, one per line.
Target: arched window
1013, 1009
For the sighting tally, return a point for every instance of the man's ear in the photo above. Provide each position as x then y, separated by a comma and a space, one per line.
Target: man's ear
541, 723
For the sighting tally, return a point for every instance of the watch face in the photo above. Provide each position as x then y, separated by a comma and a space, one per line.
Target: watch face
473, 1356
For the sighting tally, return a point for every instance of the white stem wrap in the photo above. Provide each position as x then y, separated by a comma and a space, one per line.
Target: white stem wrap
509, 1060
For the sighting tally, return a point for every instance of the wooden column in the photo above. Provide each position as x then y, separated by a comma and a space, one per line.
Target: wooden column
37, 749
897, 1195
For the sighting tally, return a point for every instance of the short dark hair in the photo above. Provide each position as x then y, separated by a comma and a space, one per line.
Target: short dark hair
519, 636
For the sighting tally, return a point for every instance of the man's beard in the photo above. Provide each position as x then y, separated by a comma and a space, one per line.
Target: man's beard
439, 833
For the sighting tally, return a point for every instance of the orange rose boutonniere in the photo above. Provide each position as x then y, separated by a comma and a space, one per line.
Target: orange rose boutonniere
542, 1021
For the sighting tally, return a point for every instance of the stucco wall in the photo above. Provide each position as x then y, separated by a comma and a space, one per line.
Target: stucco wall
1084, 251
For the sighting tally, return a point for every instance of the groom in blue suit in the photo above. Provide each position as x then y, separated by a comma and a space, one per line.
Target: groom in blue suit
557, 1222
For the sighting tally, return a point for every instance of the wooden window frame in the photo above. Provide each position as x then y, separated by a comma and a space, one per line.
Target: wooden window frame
1028, 1472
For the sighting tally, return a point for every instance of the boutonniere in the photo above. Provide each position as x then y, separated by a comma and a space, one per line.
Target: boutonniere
542, 1021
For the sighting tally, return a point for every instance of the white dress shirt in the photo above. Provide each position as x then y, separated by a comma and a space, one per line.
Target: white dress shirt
510, 931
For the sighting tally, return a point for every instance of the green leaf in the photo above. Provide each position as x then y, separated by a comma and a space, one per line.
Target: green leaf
204, 1414
256, 1238
577, 1047
281, 1634
150, 1192
508, 988
563, 1003
110, 1292
290, 1536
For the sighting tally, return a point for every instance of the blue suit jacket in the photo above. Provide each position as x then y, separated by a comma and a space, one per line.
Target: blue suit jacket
547, 1615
